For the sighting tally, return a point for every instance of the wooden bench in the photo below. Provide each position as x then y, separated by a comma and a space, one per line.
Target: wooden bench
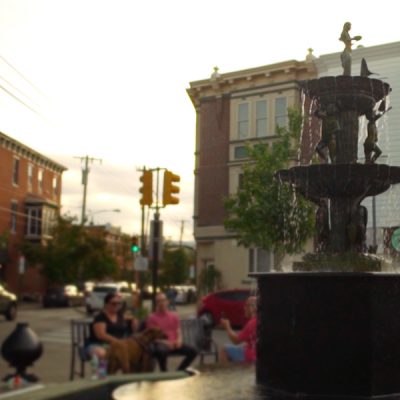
193, 334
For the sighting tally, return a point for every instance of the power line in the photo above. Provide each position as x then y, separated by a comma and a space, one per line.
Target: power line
21, 101
23, 76
19, 91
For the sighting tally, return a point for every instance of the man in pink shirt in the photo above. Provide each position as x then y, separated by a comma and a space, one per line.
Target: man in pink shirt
169, 323
237, 352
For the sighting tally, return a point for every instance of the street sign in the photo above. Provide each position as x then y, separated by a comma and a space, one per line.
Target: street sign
141, 263
396, 239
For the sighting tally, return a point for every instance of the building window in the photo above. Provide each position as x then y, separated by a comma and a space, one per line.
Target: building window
15, 172
14, 215
30, 176
261, 118
243, 120
40, 180
281, 112
241, 152
48, 220
34, 221
261, 260
55, 186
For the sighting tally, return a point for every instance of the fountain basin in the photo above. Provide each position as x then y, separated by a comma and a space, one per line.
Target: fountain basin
89, 389
329, 334
349, 92
341, 180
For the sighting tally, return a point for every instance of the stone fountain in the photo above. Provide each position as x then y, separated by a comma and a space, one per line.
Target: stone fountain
331, 328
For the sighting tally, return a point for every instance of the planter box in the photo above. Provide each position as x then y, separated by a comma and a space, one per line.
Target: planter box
333, 334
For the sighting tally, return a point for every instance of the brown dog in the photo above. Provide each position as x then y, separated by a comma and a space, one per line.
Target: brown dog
133, 354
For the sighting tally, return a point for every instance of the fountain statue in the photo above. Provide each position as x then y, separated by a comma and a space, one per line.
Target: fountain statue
346, 54
331, 327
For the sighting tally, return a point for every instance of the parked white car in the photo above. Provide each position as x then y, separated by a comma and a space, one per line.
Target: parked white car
185, 294
95, 299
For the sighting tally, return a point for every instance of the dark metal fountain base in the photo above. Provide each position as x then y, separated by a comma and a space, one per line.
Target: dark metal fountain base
329, 334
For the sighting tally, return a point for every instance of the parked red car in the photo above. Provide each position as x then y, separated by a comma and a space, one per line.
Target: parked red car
225, 303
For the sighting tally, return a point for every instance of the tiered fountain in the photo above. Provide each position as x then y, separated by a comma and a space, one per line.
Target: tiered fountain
332, 327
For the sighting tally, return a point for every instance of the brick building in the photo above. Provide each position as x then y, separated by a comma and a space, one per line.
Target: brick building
233, 110
30, 193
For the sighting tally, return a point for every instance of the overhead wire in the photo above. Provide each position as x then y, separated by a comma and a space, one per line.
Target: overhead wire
15, 97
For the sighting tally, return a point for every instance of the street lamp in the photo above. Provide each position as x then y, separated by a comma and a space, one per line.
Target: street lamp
91, 213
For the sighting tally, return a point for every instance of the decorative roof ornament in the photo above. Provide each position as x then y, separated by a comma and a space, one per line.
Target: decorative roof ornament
215, 75
310, 56
215, 79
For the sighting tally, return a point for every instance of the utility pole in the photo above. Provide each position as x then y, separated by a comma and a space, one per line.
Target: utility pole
156, 237
181, 236
168, 197
85, 179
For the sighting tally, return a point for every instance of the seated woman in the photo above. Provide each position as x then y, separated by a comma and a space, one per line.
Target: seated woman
108, 326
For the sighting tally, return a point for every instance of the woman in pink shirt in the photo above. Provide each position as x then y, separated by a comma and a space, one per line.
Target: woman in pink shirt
243, 348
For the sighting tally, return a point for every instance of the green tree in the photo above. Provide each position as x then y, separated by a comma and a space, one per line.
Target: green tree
72, 255
209, 279
175, 266
265, 212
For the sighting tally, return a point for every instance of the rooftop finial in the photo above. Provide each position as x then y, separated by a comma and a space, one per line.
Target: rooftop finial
310, 56
215, 74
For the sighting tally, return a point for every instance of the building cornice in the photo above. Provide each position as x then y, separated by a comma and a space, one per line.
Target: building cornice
24, 151
265, 76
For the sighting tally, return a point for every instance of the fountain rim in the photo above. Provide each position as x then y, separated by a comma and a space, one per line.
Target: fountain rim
327, 274
328, 85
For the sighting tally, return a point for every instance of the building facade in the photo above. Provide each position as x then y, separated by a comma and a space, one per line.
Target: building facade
30, 195
233, 110
243, 107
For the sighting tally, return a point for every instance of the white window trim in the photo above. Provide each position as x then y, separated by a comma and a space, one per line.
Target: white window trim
252, 100
40, 181
253, 256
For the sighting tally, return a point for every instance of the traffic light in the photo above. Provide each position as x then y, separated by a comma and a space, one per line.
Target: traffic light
135, 244
147, 188
170, 188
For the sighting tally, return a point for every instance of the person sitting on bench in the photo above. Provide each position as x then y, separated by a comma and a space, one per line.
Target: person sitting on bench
169, 323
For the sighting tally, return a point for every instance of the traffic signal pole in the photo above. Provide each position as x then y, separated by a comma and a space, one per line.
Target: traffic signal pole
155, 250
170, 190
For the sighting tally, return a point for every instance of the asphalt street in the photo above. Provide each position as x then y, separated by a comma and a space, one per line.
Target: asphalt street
52, 325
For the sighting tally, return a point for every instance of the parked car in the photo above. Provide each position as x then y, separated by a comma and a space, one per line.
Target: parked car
185, 294
225, 303
94, 301
8, 304
62, 296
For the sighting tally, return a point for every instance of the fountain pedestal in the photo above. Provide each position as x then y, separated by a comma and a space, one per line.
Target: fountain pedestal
329, 334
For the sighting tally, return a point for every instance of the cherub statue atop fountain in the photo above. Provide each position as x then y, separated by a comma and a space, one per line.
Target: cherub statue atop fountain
346, 54
330, 129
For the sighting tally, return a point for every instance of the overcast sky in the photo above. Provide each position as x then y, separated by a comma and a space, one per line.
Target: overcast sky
107, 78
